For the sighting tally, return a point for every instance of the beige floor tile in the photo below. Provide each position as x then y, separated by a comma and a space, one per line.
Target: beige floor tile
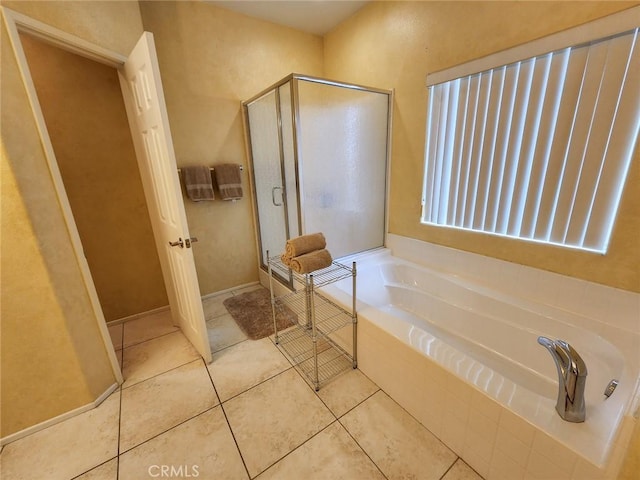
66, 449
332, 453
347, 391
461, 471
395, 441
162, 402
116, 336
106, 471
223, 332
156, 356
119, 355
275, 417
240, 367
148, 327
203, 447
213, 306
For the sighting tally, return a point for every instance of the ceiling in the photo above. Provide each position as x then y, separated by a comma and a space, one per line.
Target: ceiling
312, 16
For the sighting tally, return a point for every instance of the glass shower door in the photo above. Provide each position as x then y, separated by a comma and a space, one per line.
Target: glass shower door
267, 168
342, 147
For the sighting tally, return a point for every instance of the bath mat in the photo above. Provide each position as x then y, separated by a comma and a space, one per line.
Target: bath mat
252, 313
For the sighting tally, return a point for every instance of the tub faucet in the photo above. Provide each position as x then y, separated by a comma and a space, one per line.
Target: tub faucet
572, 378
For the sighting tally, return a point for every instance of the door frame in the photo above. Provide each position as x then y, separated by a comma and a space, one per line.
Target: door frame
17, 23
281, 162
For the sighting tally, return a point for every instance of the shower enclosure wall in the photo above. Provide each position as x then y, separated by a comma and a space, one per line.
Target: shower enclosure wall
319, 153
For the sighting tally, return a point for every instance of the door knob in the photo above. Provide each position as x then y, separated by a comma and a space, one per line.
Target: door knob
179, 243
190, 240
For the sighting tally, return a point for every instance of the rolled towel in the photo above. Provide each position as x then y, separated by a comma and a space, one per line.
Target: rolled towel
310, 262
305, 244
286, 259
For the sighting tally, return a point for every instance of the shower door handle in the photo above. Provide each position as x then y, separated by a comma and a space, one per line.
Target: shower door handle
273, 196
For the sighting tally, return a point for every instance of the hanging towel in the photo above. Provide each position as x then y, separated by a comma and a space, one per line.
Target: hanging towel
304, 244
198, 182
310, 262
229, 181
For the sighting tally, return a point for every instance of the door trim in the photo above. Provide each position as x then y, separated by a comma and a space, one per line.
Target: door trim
16, 23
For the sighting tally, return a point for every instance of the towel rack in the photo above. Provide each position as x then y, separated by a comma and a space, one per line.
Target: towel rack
211, 169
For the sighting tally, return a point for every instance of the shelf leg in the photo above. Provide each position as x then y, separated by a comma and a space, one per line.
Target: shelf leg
307, 303
355, 320
273, 301
314, 333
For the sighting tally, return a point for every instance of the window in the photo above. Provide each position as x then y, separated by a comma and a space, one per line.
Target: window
536, 149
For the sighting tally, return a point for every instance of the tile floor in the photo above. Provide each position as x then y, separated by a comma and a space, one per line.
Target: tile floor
249, 414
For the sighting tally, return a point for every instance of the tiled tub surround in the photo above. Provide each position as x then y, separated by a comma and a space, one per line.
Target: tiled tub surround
478, 379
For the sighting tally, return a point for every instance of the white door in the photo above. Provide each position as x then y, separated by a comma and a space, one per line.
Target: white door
149, 123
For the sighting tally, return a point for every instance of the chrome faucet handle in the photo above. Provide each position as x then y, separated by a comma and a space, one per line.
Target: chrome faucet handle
574, 362
572, 373
573, 367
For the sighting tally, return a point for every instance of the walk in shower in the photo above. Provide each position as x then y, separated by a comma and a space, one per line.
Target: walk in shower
319, 152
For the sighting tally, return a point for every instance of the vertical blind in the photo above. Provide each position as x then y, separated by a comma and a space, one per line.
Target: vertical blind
538, 149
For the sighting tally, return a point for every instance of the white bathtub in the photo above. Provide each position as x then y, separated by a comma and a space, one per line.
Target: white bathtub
489, 340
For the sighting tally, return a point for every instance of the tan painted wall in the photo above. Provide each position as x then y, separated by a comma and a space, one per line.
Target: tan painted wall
631, 463
211, 59
87, 122
53, 358
395, 45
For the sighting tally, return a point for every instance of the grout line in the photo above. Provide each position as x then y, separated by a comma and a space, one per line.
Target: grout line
183, 421
450, 467
227, 420
228, 346
97, 466
170, 428
296, 448
149, 339
254, 386
418, 421
119, 431
161, 373
361, 448
337, 419
341, 416
470, 467
360, 403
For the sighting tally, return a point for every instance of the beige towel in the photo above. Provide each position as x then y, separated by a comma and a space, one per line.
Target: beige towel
198, 182
305, 244
285, 259
310, 262
229, 181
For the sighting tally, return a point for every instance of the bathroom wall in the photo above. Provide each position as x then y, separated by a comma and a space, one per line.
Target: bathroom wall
53, 359
395, 45
90, 134
211, 59
631, 464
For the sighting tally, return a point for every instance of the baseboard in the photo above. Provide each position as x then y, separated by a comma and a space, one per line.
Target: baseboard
60, 418
136, 316
229, 290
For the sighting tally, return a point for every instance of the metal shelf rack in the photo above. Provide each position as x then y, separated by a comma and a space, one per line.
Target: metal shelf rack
308, 343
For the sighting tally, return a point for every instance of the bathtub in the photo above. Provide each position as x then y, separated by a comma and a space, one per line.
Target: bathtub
464, 360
